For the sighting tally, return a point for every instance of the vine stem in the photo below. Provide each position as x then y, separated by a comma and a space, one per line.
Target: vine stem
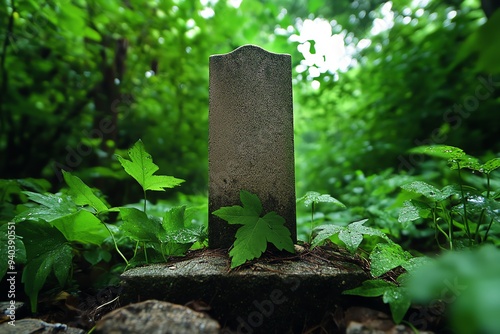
438, 228
116, 245
464, 201
487, 196
487, 185
312, 219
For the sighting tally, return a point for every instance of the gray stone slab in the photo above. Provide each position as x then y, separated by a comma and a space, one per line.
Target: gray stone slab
156, 317
261, 298
250, 136
29, 326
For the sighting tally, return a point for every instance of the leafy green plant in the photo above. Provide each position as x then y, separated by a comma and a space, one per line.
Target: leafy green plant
252, 238
52, 227
384, 257
392, 293
456, 207
49, 230
141, 168
459, 207
151, 232
396, 292
160, 238
351, 235
312, 198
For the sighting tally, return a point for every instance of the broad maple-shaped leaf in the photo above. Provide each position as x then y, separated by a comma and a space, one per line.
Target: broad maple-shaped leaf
142, 168
252, 238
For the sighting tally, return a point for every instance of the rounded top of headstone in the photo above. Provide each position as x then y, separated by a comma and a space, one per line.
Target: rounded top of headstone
249, 49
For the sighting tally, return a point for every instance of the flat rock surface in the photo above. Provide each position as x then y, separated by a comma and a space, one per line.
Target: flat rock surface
156, 317
270, 296
28, 326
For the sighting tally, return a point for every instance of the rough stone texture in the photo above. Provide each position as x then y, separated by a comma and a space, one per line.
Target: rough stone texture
28, 325
250, 136
261, 298
156, 317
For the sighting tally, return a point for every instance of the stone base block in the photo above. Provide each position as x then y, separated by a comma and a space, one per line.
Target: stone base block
269, 296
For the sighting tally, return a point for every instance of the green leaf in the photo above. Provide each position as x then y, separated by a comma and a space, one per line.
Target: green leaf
38, 185
252, 238
351, 238
451, 190
325, 232
51, 207
385, 257
423, 188
177, 232
440, 151
174, 219
371, 288
351, 235
169, 237
82, 194
83, 227
466, 161
411, 211
251, 201
184, 236
491, 165
47, 251
398, 298
141, 168
9, 188
477, 204
315, 197
399, 301
176, 248
139, 227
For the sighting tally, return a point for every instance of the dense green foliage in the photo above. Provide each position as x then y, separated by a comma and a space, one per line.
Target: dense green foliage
82, 81
52, 226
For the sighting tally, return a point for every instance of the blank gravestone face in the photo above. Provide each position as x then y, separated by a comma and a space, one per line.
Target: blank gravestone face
250, 136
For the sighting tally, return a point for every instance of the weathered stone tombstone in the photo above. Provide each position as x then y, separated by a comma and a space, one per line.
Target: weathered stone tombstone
250, 136
250, 148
